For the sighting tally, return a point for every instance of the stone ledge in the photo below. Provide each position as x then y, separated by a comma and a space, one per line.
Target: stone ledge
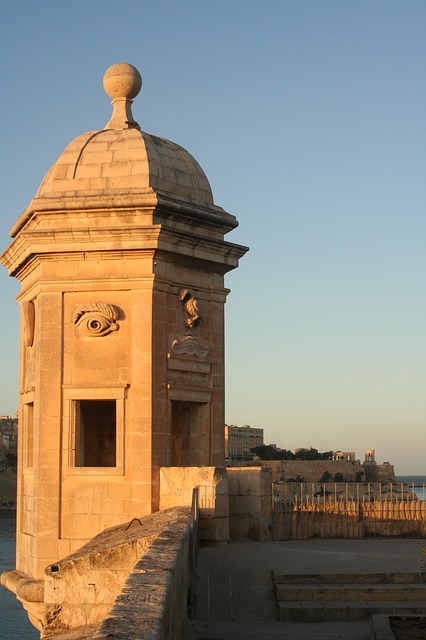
23, 586
81, 633
381, 626
153, 601
132, 578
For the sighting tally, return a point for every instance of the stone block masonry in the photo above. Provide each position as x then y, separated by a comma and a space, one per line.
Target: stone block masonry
153, 602
121, 256
250, 502
129, 581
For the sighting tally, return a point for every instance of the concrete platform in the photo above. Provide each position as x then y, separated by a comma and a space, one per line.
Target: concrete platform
235, 597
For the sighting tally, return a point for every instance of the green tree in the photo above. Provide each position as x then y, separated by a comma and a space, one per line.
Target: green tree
265, 452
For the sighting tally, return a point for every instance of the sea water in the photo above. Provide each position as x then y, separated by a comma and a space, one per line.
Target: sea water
14, 623
417, 484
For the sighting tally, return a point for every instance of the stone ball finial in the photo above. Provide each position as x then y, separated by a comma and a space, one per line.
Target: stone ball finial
122, 80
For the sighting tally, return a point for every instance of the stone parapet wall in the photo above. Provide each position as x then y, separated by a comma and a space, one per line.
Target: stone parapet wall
250, 502
177, 484
176, 489
153, 602
234, 501
131, 579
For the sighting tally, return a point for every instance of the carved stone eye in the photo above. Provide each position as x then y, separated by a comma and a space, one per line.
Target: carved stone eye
96, 324
96, 319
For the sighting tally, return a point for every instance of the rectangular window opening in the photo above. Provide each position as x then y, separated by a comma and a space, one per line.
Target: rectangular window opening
29, 434
95, 433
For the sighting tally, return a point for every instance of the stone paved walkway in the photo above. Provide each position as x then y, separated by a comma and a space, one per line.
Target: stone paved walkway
235, 601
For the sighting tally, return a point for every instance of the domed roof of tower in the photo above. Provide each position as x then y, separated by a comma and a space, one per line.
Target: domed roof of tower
121, 158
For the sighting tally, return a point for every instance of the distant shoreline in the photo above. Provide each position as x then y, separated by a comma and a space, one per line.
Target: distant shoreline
417, 480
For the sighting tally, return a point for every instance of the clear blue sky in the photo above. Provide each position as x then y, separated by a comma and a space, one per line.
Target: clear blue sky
308, 117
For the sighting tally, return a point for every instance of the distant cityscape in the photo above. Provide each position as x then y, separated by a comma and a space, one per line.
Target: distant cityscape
245, 443
245, 446
242, 444
8, 443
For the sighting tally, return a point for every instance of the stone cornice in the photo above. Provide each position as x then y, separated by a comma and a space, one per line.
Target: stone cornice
62, 242
173, 207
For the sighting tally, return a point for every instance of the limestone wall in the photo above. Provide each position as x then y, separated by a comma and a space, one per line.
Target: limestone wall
153, 601
176, 489
379, 472
235, 501
250, 502
133, 579
313, 470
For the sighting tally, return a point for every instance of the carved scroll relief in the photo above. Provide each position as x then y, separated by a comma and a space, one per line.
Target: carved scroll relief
96, 319
188, 345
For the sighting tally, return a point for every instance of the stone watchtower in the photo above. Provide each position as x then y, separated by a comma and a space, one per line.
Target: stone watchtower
121, 257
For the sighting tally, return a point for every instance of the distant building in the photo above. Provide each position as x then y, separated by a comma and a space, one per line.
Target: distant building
349, 456
8, 432
377, 472
8, 421
239, 441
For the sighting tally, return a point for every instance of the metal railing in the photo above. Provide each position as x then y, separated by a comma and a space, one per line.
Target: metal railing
347, 510
206, 496
193, 549
203, 498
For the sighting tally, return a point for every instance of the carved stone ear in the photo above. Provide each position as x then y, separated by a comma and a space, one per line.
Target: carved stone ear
190, 305
96, 319
28, 317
